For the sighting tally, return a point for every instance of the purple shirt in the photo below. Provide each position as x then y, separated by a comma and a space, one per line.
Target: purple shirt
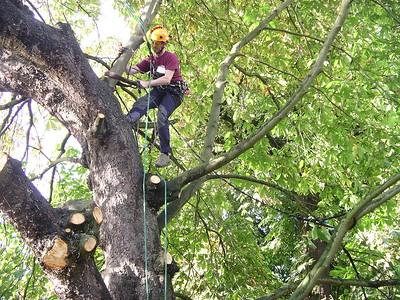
167, 61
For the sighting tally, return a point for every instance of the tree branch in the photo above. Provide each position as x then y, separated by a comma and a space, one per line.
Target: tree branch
56, 162
348, 222
13, 102
354, 267
212, 126
359, 282
137, 38
287, 288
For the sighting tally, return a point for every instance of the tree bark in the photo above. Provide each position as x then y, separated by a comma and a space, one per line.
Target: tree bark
46, 64
36, 220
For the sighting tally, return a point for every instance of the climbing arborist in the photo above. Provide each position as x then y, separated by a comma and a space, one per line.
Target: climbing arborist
167, 89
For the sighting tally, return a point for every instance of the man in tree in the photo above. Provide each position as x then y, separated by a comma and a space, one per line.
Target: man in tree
167, 89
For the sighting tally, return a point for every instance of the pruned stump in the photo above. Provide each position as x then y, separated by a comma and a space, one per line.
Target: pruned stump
97, 215
77, 218
159, 192
81, 219
87, 243
100, 129
163, 260
56, 256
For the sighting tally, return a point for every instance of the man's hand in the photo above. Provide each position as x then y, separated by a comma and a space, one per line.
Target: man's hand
144, 84
122, 49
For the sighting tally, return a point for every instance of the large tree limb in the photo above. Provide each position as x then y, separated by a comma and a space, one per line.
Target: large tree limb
358, 211
209, 166
137, 38
287, 288
24, 206
40, 228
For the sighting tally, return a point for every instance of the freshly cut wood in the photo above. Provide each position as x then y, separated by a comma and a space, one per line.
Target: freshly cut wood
99, 123
155, 179
55, 258
98, 215
3, 160
77, 218
166, 256
88, 243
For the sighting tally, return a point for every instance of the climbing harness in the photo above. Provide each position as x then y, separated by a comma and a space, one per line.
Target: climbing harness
177, 88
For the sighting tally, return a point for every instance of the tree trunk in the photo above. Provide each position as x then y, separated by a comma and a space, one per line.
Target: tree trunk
323, 290
46, 64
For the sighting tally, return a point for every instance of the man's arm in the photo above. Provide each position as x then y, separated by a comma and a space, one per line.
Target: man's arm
132, 70
166, 79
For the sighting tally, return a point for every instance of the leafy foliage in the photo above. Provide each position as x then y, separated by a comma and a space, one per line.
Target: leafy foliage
20, 275
240, 239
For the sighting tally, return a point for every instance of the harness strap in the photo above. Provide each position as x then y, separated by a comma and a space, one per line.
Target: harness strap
177, 87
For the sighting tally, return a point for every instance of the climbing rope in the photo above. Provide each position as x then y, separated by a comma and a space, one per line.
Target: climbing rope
144, 175
165, 239
295, 216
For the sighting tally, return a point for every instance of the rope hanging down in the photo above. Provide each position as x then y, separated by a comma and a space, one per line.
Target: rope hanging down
296, 216
144, 174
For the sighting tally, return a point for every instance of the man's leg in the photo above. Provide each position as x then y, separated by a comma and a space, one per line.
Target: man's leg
140, 106
166, 108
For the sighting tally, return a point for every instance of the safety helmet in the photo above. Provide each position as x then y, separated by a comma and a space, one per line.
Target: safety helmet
159, 33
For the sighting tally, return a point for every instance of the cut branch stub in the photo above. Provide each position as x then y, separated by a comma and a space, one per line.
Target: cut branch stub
166, 257
100, 128
99, 123
97, 215
77, 218
88, 243
155, 179
56, 257
157, 194
81, 215
81, 219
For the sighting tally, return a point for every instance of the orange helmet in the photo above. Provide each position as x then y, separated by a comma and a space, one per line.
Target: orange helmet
159, 33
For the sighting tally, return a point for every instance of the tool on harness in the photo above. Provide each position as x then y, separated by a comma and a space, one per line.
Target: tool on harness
120, 78
177, 87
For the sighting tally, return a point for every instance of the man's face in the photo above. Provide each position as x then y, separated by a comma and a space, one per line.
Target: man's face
157, 46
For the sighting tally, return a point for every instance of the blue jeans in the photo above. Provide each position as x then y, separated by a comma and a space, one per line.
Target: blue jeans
166, 102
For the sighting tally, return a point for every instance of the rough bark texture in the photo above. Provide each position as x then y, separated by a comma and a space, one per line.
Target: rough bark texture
39, 226
46, 64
